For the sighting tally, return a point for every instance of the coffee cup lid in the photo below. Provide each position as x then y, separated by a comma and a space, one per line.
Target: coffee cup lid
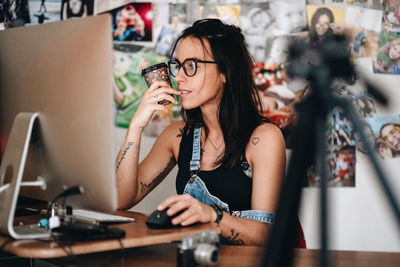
153, 67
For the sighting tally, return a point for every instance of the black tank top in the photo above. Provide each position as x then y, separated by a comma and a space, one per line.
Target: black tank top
231, 185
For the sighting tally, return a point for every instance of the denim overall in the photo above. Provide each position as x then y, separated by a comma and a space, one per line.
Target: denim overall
197, 188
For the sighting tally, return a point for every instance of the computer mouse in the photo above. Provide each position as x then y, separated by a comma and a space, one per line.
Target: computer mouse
160, 220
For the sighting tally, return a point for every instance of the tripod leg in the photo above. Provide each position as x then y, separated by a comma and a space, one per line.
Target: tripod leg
282, 238
321, 172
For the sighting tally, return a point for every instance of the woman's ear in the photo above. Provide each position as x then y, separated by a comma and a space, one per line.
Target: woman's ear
223, 78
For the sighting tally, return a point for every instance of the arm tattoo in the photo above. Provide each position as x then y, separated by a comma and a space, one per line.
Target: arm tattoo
255, 140
125, 150
233, 238
167, 169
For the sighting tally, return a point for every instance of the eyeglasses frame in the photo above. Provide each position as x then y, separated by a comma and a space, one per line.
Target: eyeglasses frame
182, 65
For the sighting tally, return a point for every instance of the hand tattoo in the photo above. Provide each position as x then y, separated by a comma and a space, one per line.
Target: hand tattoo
167, 169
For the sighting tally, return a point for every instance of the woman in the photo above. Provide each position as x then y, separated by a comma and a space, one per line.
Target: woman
321, 23
388, 58
390, 135
236, 180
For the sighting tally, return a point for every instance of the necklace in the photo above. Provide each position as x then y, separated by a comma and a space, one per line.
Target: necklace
217, 154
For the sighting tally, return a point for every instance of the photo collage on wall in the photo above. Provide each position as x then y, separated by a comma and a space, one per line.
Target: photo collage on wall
143, 33
16, 13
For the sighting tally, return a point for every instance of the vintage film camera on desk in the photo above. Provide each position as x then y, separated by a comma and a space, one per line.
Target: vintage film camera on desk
56, 115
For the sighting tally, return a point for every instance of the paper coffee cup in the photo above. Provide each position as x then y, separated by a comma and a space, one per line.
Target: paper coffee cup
156, 73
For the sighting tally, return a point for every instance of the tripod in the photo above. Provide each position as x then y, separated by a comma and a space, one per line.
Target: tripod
320, 66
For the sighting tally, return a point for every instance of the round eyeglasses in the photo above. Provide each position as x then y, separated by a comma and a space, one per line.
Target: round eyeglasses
189, 66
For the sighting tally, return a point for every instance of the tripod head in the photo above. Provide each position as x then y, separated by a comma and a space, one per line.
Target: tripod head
332, 58
331, 54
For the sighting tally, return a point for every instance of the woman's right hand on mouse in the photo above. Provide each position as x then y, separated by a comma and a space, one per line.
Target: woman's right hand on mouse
158, 91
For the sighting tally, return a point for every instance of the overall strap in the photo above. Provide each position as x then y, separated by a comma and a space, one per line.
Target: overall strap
196, 152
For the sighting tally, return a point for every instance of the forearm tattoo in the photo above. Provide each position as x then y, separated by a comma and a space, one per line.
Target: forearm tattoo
255, 140
144, 187
234, 238
180, 132
125, 150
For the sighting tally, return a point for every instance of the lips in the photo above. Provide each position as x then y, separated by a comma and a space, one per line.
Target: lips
184, 92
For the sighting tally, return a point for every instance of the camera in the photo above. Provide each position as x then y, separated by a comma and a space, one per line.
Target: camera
199, 250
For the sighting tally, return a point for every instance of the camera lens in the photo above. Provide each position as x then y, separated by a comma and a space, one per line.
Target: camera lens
206, 254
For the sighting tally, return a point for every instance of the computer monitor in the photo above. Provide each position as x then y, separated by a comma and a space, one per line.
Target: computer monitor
61, 74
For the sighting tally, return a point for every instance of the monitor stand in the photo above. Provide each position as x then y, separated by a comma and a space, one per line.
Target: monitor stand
12, 170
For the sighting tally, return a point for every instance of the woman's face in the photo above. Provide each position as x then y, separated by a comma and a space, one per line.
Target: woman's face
75, 6
206, 86
391, 135
322, 25
394, 52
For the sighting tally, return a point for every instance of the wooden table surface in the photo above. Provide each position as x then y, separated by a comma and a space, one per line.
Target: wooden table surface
136, 234
147, 247
165, 255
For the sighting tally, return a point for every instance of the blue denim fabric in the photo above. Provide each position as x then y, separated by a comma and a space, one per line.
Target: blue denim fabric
197, 189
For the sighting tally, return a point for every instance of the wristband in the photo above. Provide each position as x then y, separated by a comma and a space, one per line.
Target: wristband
219, 212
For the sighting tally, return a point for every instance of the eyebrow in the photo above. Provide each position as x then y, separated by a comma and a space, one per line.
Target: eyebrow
192, 58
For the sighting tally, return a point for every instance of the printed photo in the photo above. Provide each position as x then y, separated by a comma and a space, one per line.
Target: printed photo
364, 105
341, 169
277, 98
323, 22
387, 60
230, 14
289, 16
372, 4
14, 13
341, 152
386, 130
391, 15
76, 8
43, 11
172, 27
255, 19
368, 19
132, 22
129, 86
362, 42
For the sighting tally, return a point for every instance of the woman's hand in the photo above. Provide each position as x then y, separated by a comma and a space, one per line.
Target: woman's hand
158, 91
194, 210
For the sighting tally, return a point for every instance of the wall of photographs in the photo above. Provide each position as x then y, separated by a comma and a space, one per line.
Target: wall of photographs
143, 32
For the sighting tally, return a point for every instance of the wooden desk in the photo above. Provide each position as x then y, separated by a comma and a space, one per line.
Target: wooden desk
165, 255
137, 234
146, 247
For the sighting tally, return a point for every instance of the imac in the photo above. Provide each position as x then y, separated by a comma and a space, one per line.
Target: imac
57, 115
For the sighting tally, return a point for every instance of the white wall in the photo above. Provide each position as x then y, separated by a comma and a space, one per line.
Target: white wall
360, 218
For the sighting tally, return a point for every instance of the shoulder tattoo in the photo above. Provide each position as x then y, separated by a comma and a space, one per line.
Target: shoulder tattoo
180, 132
255, 140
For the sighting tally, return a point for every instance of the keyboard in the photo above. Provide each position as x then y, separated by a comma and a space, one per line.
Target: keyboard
98, 217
